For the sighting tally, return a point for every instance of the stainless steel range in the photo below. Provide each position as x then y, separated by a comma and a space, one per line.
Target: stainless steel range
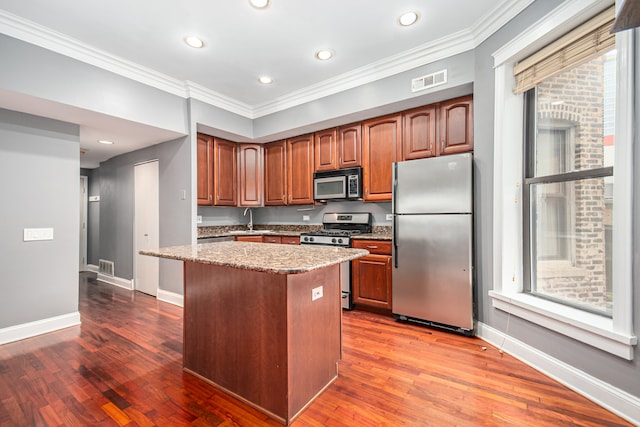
337, 229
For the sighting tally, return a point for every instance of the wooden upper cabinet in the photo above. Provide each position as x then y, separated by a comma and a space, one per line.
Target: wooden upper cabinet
224, 173
456, 126
349, 147
300, 170
205, 172
275, 178
250, 175
326, 156
381, 146
419, 139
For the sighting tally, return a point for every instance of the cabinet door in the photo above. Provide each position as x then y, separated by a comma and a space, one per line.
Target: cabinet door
205, 177
271, 239
372, 281
456, 126
250, 175
419, 139
300, 170
224, 173
349, 146
275, 178
325, 150
381, 146
290, 240
255, 239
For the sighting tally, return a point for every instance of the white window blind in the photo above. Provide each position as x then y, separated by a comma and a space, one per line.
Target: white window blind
588, 41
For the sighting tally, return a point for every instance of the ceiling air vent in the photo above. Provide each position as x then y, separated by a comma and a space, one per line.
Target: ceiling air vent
430, 80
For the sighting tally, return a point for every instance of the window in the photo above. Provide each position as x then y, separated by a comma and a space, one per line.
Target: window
553, 185
568, 179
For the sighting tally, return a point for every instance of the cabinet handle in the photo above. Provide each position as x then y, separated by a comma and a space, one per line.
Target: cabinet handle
371, 247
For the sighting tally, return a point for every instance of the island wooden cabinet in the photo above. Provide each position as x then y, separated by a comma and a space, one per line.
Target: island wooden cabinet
456, 126
275, 177
250, 175
371, 275
349, 149
299, 169
216, 170
381, 146
290, 240
256, 239
326, 156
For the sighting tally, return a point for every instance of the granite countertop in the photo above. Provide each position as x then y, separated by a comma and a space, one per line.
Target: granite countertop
379, 232
271, 258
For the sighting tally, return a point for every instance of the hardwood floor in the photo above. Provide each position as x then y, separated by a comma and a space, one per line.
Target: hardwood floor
123, 366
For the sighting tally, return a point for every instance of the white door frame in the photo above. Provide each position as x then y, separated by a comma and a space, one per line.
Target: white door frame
84, 206
149, 227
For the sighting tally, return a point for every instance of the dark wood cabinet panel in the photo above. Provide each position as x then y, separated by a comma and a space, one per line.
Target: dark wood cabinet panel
271, 239
456, 126
224, 172
256, 239
250, 175
275, 178
290, 240
419, 139
381, 146
204, 171
300, 170
349, 142
325, 150
371, 275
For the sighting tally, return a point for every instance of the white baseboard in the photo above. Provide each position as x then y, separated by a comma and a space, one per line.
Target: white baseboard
92, 268
116, 281
615, 400
170, 297
38, 327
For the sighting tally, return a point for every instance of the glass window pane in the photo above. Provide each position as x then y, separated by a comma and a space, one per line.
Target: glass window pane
571, 225
575, 112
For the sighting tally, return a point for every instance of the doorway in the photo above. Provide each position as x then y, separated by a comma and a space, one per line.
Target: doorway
146, 269
82, 259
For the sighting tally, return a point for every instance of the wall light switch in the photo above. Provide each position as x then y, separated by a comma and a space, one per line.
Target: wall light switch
316, 293
33, 234
389, 217
305, 217
199, 219
94, 198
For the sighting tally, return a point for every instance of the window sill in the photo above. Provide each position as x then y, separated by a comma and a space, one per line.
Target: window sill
588, 328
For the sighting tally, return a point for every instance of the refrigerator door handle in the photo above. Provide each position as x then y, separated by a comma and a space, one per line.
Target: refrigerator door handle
394, 211
394, 255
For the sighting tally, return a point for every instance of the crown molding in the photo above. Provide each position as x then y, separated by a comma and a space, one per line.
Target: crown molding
460, 42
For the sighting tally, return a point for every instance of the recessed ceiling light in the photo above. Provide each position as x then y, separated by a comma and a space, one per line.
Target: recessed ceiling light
260, 4
194, 41
324, 54
105, 142
408, 18
265, 80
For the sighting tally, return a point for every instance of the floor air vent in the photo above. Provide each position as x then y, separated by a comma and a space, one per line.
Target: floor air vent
105, 267
430, 80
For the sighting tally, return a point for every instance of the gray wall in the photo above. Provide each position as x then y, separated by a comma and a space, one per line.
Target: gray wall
611, 369
117, 201
93, 216
39, 164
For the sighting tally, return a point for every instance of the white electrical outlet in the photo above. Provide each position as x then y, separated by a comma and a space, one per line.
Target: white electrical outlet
316, 293
199, 219
306, 218
32, 234
389, 217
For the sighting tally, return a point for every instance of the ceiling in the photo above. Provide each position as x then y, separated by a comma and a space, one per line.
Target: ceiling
243, 43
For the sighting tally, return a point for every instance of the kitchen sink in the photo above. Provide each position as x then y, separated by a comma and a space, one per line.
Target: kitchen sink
250, 231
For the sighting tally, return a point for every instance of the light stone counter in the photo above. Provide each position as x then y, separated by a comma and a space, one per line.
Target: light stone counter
271, 258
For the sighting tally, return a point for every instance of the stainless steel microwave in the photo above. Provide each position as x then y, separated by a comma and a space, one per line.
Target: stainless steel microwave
341, 184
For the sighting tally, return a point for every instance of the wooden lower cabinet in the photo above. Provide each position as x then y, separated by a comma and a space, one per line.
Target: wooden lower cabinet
257, 239
290, 240
371, 275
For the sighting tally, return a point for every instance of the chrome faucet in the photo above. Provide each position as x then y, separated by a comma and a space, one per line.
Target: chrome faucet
250, 225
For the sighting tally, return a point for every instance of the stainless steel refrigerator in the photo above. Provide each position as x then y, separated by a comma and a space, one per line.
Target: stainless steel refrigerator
433, 242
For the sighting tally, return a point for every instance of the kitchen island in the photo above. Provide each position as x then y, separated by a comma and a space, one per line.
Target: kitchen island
262, 322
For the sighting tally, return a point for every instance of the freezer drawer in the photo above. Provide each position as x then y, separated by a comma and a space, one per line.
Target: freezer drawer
432, 277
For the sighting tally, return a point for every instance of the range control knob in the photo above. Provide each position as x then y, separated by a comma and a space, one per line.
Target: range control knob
311, 239
333, 240
339, 240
